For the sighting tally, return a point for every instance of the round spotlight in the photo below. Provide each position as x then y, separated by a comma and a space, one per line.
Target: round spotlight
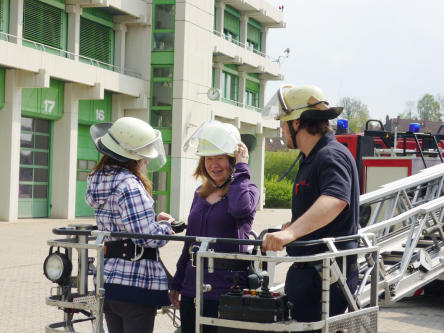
57, 268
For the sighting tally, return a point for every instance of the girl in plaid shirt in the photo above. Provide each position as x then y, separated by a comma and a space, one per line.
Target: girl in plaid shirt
120, 194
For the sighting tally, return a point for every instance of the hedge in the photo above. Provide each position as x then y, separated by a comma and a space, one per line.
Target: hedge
278, 195
276, 163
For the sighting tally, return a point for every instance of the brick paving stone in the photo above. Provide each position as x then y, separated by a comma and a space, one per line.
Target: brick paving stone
23, 288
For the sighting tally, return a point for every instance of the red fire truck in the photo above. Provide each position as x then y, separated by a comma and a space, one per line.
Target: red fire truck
381, 161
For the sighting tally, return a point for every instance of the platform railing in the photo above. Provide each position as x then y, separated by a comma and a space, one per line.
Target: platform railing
83, 239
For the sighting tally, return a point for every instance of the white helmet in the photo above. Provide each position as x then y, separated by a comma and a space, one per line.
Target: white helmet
294, 102
214, 138
130, 139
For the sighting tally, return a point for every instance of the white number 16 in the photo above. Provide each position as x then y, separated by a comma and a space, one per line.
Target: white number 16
100, 114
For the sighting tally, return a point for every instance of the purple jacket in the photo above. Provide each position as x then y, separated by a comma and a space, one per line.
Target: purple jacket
230, 217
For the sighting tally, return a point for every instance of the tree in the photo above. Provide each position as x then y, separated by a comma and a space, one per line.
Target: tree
440, 99
409, 111
355, 112
428, 108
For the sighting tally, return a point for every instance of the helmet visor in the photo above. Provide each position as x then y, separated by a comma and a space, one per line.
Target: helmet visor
212, 138
276, 106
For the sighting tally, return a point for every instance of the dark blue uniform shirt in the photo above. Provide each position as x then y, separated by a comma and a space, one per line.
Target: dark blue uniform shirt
329, 170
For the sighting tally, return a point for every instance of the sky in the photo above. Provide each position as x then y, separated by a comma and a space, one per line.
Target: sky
382, 52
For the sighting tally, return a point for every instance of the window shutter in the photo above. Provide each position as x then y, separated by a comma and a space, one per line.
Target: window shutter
232, 24
3, 16
253, 86
254, 35
96, 41
43, 23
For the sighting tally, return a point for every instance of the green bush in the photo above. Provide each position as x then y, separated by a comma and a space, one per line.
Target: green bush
276, 163
277, 195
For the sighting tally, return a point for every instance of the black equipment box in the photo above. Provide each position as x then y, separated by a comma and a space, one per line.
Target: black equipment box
260, 309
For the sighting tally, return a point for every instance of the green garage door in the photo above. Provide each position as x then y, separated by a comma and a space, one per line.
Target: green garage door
87, 157
34, 167
40, 107
90, 112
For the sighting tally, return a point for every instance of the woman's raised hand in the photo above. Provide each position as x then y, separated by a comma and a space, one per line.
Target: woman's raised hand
241, 154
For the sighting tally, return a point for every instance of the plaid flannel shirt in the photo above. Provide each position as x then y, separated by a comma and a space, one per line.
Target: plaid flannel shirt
121, 203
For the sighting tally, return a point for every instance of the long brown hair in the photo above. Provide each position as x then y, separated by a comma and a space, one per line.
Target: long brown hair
207, 187
131, 165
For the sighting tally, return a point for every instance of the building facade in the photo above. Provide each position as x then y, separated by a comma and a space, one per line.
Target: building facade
67, 64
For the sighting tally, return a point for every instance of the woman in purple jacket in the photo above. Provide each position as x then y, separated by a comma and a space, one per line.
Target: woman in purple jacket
224, 206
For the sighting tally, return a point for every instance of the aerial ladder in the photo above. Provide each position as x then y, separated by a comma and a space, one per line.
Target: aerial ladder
406, 217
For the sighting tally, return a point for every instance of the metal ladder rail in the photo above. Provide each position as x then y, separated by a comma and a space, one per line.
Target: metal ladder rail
399, 202
395, 197
399, 282
424, 176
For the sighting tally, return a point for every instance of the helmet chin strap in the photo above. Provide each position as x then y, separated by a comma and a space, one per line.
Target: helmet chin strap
229, 178
293, 133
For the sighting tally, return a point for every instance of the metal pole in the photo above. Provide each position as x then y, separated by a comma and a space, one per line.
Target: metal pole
100, 290
325, 291
199, 284
83, 260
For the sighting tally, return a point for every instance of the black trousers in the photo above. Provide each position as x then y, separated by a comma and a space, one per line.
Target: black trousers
188, 314
123, 317
303, 287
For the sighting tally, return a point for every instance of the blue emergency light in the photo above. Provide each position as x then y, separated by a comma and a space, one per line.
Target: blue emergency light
342, 124
414, 127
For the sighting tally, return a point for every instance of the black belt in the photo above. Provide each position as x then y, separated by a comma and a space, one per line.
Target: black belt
127, 250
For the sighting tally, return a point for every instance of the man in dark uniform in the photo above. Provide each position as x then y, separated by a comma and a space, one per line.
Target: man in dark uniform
325, 197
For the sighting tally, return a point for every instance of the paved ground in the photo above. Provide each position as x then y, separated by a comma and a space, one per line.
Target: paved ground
23, 287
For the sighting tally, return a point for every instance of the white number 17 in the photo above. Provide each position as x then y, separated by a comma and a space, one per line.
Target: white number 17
49, 105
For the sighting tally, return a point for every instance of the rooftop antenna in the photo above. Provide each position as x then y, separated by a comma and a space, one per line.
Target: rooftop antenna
281, 58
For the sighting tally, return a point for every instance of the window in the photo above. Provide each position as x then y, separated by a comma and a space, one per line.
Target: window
231, 23
163, 72
252, 89
164, 17
251, 98
254, 35
44, 24
160, 180
230, 86
161, 118
162, 94
162, 87
163, 35
96, 41
4, 16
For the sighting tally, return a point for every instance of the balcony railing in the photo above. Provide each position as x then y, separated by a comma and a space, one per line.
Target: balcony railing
254, 108
238, 43
231, 101
241, 105
71, 55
